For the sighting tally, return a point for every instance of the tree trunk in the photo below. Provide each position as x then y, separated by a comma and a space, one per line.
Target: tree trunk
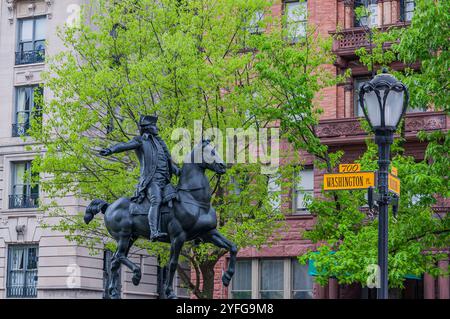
207, 269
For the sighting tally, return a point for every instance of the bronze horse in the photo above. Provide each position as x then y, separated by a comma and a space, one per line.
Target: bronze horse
190, 217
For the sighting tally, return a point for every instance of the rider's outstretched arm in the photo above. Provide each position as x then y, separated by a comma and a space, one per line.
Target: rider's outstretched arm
126, 146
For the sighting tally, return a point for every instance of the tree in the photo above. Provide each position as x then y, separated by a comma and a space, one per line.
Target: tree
425, 44
418, 237
186, 61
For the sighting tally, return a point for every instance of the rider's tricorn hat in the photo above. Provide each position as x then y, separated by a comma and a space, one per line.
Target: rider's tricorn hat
148, 120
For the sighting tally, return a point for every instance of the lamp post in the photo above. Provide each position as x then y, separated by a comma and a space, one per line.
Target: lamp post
384, 100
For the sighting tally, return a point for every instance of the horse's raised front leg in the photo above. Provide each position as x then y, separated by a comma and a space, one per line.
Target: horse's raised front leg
216, 238
175, 249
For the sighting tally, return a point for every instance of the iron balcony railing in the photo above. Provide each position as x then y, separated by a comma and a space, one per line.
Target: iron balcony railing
22, 283
20, 129
28, 57
24, 200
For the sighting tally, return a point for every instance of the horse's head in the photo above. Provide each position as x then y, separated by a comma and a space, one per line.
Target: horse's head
205, 155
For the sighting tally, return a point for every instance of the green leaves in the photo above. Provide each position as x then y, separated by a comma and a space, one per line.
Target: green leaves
414, 237
186, 61
198, 61
418, 234
424, 43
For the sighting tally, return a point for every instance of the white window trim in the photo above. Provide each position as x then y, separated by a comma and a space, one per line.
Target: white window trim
7, 181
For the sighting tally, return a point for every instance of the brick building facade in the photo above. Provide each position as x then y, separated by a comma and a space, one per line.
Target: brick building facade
273, 271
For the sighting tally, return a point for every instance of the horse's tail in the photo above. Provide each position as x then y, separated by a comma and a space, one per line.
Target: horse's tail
95, 207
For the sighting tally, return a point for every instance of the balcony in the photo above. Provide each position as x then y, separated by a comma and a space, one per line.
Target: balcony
24, 201
347, 41
22, 284
28, 57
348, 130
20, 129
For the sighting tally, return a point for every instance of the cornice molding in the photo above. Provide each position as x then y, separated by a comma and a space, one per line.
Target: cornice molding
349, 127
12, 5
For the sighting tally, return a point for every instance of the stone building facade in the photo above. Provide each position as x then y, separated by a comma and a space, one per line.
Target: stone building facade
36, 262
273, 271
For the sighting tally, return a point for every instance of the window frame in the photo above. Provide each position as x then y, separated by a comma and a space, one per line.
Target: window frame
20, 32
232, 290
256, 272
293, 279
253, 27
404, 12
260, 290
38, 53
34, 271
303, 210
304, 22
27, 185
367, 4
31, 113
274, 186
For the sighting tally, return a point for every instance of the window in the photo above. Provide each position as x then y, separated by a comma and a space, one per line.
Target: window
271, 279
24, 194
273, 189
407, 9
31, 41
27, 107
304, 190
368, 9
296, 19
302, 282
242, 280
254, 25
22, 277
357, 83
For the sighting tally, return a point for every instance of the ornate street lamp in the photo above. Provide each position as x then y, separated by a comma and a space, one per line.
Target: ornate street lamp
384, 100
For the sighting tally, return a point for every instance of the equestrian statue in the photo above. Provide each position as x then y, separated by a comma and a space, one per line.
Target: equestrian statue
159, 211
